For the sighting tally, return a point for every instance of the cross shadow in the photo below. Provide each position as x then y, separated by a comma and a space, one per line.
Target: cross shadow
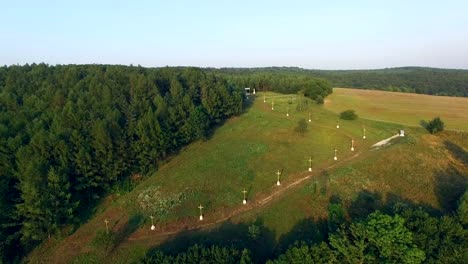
451, 184
458, 152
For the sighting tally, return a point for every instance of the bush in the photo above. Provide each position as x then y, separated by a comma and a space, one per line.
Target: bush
348, 115
319, 100
301, 126
104, 239
435, 125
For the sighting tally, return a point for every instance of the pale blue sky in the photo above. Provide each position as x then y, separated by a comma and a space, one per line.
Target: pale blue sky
322, 34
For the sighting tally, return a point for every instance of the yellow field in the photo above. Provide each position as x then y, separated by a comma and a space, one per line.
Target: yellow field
403, 108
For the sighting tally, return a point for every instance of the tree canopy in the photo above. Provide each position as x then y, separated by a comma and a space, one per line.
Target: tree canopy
68, 133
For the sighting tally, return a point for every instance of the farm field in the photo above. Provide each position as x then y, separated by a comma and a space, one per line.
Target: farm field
245, 153
402, 108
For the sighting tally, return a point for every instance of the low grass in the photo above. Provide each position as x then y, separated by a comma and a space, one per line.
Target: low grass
402, 108
245, 153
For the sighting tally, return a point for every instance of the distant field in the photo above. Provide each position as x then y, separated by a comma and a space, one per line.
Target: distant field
403, 108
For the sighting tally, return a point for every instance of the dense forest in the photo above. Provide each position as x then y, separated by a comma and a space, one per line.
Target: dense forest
314, 88
69, 134
401, 232
406, 79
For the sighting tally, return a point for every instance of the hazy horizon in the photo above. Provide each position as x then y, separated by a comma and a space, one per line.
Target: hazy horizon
332, 35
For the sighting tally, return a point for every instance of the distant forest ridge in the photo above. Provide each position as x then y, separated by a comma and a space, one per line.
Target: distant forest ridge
422, 80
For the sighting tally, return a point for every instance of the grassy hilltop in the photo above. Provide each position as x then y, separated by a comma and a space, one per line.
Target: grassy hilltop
245, 153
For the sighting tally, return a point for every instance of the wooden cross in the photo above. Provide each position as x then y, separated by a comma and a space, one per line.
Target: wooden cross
244, 191
107, 227
278, 173
364, 136
310, 162
352, 144
309, 118
201, 207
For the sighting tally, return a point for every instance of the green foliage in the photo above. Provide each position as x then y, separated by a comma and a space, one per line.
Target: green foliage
69, 133
348, 115
303, 253
443, 239
405, 79
254, 231
202, 254
104, 240
435, 125
153, 202
319, 99
381, 238
301, 127
280, 82
302, 104
336, 216
462, 211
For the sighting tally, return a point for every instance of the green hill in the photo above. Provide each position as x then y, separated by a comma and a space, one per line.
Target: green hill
245, 153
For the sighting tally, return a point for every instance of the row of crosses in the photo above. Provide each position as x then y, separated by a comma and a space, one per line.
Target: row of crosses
278, 172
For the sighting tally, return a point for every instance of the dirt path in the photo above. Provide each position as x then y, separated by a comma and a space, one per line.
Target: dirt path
385, 141
218, 217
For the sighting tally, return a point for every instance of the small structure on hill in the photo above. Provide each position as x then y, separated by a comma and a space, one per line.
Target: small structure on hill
201, 212
245, 200
402, 133
278, 173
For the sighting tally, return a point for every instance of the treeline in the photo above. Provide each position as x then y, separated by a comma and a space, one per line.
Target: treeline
403, 233
69, 133
420, 80
315, 88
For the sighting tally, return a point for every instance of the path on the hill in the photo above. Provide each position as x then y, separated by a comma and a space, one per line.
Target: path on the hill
212, 220
385, 141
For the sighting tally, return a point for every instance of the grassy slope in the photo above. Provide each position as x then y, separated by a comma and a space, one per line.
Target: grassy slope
403, 108
246, 151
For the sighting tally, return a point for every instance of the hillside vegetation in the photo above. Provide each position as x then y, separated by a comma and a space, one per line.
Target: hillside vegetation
71, 134
419, 170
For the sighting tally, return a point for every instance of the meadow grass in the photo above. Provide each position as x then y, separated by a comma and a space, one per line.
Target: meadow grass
403, 108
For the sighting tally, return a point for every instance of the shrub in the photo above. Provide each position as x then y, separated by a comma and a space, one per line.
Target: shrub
319, 99
435, 125
104, 239
348, 115
301, 126
154, 202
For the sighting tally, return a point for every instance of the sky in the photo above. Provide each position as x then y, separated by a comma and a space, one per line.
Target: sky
326, 34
